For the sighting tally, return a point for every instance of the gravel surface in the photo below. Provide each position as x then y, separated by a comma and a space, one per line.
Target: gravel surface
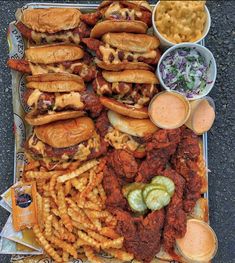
220, 138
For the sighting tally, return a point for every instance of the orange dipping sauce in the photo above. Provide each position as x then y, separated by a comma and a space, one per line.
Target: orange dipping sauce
169, 110
199, 243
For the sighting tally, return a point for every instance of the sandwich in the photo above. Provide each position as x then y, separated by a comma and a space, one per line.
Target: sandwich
58, 96
123, 132
55, 58
59, 144
119, 51
126, 92
123, 16
49, 25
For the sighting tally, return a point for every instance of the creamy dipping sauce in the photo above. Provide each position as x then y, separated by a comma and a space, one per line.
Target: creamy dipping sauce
199, 243
169, 110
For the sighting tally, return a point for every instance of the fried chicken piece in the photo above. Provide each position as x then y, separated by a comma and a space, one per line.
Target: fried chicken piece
160, 147
102, 124
124, 164
112, 188
175, 222
185, 163
141, 235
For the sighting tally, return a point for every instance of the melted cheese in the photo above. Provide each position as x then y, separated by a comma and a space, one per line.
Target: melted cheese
125, 13
66, 37
71, 99
120, 140
34, 97
43, 69
39, 146
107, 50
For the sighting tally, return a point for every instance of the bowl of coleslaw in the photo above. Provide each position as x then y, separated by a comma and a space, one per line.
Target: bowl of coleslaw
189, 69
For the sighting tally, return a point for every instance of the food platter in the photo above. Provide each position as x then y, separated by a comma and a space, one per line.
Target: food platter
23, 130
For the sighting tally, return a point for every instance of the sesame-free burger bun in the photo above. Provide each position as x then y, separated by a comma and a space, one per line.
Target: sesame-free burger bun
66, 133
116, 26
131, 126
49, 54
131, 76
55, 82
129, 111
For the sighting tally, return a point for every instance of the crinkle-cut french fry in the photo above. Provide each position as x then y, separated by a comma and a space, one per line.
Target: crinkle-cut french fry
98, 214
116, 243
55, 211
120, 254
74, 206
56, 233
109, 232
102, 163
78, 218
80, 183
95, 221
31, 165
67, 187
65, 256
40, 184
80, 243
64, 245
97, 236
89, 205
91, 241
48, 226
111, 221
44, 243
102, 193
94, 197
64, 233
80, 226
95, 179
42, 175
89, 252
52, 185
40, 211
45, 208
63, 208
82, 169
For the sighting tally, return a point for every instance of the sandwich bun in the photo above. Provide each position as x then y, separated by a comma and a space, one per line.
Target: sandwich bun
131, 126
140, 43
132, 3
123, 65
131, 76
55, 82
51, 20
66, 133
49, 54
118, 26
35, 119
116, 106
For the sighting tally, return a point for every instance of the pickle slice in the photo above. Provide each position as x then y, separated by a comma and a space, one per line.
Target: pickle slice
129, 187
156, 199
167, 182
135, 200
150, 187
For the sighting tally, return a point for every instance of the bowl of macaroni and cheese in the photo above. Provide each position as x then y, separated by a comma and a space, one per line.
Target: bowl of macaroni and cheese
176, 22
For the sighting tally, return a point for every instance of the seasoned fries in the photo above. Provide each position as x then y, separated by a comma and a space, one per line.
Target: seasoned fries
72, 215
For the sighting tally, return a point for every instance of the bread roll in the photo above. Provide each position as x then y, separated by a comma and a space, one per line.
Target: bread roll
37, 119
51, 20
133, 3
131, 76
118, 26
140, 43
121, 108
123, 66
66, 133
49, 54
134, 127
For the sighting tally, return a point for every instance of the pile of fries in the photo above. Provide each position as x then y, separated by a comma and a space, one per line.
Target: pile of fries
72, 219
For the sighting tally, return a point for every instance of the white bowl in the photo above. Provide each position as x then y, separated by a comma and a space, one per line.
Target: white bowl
166, 43
205, 52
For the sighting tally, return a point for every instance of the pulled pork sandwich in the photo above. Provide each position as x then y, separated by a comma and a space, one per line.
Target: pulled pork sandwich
57, 145
123, 16
126, 133
49, 25
58, 96
55, 58
119, 51
127, 92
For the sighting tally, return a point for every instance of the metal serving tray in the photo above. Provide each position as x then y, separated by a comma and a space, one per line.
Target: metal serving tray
21, 128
